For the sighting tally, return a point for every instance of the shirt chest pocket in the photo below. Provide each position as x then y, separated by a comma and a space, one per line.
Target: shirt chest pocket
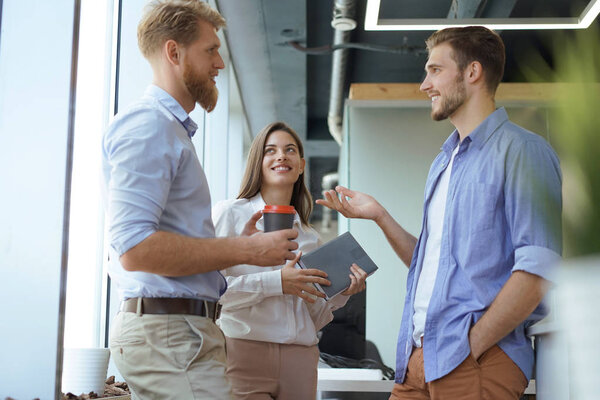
475, 207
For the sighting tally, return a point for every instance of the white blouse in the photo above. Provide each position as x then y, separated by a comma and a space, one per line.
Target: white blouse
254, 306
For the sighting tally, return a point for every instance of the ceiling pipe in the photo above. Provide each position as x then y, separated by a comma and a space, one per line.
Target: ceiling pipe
343, 22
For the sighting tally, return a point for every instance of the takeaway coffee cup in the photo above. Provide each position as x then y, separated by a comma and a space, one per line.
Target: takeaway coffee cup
278, 217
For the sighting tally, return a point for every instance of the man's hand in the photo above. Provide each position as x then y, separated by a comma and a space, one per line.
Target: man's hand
517, 299
272, 248
475, 344
298, 281
360, 205
357, 281
250, 227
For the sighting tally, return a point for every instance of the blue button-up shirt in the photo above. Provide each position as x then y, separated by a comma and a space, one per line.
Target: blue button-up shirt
503, 214
153, 181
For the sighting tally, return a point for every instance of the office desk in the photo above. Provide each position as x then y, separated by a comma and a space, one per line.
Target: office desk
352, 380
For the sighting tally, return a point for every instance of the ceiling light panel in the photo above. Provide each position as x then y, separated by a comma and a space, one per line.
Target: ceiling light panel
374, 23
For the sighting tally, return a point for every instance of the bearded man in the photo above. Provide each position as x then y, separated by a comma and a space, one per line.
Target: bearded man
490, 239
164, 258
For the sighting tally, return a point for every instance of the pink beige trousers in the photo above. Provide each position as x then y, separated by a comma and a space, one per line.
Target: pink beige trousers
494, 376
266, 371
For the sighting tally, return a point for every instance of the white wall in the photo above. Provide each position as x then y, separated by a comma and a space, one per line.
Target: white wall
35, 81
387, 151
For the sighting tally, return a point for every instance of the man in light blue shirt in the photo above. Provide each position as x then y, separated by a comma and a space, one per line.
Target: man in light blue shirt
490, 239
164, 258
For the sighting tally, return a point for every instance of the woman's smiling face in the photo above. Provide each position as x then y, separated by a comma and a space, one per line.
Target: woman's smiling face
282, 163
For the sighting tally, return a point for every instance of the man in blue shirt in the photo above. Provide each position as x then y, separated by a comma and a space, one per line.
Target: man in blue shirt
164, 258
490, 238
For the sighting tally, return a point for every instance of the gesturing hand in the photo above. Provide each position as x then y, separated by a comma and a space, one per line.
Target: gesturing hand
359, 205
357, 281
250, 227
298, 281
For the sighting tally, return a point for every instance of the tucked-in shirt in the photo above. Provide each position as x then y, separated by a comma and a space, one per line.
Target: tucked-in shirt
503, 214
433, 244
153, 181
254, 306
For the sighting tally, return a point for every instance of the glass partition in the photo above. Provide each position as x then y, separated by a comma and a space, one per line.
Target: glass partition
38, 47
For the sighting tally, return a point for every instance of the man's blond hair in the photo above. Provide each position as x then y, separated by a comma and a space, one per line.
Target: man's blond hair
173, 20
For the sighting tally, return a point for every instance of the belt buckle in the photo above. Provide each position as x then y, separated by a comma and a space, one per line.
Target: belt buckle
212, 310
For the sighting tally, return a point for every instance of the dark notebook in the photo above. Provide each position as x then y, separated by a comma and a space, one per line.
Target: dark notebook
335, 257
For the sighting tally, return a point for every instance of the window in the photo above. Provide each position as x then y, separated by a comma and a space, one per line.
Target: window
83, 321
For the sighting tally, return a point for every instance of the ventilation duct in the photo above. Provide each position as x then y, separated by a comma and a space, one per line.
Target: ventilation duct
343, 22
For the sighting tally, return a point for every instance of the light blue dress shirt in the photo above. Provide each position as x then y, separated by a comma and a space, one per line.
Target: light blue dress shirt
153, 181
503, 214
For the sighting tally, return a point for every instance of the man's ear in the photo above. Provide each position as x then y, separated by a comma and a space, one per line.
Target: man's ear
172, 52
474, 72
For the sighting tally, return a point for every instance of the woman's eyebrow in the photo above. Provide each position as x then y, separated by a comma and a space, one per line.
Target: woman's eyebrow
274, 145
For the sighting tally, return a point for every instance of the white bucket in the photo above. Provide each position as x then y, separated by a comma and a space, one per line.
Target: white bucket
84, 370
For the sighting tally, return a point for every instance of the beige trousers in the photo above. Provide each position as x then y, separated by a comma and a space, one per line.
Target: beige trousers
265, 371
162, 357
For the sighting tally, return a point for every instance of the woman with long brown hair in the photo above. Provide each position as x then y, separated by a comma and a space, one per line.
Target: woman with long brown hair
271, 316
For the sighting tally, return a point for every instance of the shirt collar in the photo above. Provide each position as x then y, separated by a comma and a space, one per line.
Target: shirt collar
451, 142
484, 131
481, 134
174, 107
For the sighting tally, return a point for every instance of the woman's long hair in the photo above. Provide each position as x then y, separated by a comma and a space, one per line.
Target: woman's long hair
252, 180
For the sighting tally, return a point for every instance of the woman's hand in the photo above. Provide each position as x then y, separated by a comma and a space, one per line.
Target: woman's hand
250, 227
299, 282
360, 205
357, 281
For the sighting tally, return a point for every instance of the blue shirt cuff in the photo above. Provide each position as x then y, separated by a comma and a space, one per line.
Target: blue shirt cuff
537, 260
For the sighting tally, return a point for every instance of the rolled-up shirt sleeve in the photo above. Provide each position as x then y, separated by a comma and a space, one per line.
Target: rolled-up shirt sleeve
533, 204
143, 162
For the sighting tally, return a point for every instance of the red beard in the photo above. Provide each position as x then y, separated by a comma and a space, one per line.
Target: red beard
202, 89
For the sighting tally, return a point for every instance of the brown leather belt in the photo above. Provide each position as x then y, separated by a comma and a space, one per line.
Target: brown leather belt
176, 305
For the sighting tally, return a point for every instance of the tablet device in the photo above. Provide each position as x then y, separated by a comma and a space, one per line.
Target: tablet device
335, 257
